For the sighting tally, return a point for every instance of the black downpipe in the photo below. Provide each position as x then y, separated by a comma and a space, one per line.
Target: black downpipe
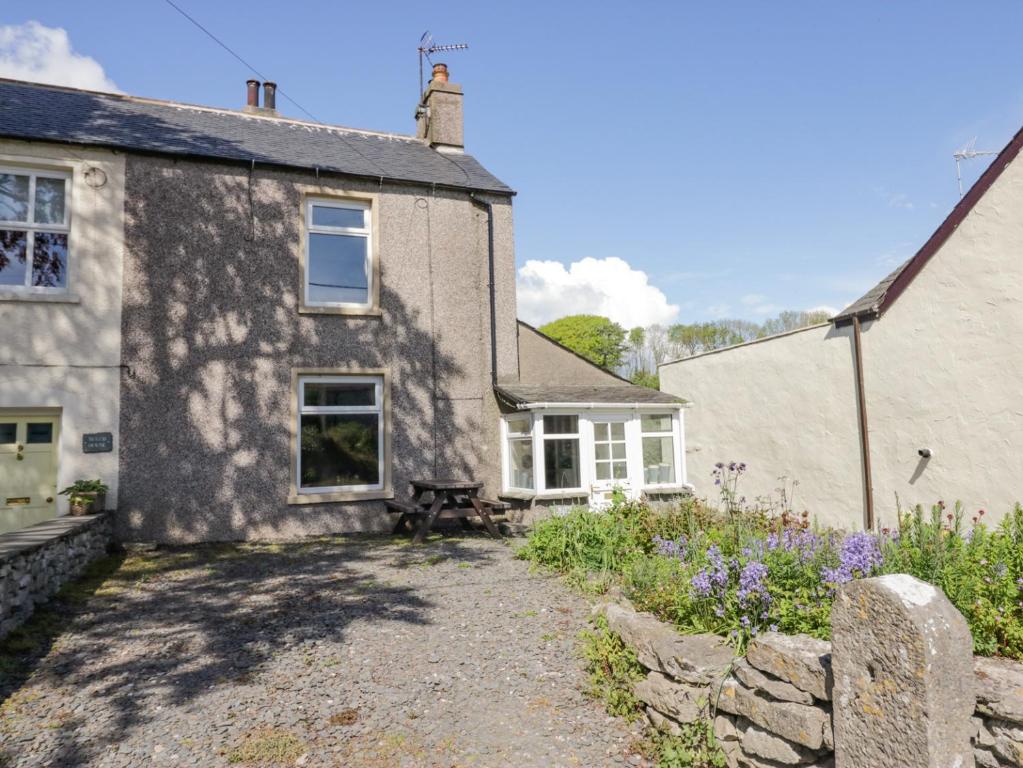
489, 208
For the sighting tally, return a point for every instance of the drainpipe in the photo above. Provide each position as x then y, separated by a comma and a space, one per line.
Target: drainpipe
868, 484
489, 208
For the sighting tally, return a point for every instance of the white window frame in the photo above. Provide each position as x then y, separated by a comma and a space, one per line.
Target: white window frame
676, 449
306, 410
366, 232
31, 227
587, 454
540, 455
507, 436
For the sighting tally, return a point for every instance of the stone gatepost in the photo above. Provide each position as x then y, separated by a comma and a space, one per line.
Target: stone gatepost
902, 658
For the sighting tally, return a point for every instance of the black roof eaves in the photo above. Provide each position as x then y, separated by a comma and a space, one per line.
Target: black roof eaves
258, 162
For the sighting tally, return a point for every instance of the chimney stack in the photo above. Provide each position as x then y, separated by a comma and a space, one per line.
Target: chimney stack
270, 96
439, 115
269, 107
252, 93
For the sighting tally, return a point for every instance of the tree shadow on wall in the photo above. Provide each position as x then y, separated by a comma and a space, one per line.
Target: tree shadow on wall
210, 334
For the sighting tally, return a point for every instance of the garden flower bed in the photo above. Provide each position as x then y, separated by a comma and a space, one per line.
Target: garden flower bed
737, 571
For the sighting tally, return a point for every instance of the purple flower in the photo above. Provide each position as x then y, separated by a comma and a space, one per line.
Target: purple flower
753, 584
672, 548
860, 556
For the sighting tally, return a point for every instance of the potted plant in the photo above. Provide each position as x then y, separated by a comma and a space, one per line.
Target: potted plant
87, 497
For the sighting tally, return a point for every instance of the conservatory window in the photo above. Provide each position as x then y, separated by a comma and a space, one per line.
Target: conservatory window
658, 449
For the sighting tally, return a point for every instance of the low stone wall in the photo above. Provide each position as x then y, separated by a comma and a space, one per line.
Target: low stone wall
774, 707
37, 561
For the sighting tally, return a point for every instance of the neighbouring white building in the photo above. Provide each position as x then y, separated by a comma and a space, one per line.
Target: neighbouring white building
913, 391
61, 255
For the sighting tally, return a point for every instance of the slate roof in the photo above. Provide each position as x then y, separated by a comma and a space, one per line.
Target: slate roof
49, 113
876, 301
522, 394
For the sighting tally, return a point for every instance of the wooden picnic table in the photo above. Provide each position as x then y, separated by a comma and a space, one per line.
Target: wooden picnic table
436, 499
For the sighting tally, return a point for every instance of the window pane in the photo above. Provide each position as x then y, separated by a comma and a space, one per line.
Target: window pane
39, 433
603, 453
328, 216
600, 431
617, 450
49, 201
13, 256
339, 450
561, 461
13, 197
339, 393
519, 425
658, 460
617, 430
658, 423
603, 471
620, 470
520, 454
561, 425
338, 269
8, 433
49, 260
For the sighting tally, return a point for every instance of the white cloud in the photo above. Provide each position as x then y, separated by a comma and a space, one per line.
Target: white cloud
832, 311
609, 287
41, 54
758, 304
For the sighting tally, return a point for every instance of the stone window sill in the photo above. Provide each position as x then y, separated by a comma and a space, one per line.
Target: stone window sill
296, 499
350, 311
41, 298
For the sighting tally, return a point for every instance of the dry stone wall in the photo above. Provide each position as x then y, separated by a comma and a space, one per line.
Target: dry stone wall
773, 708
37, 561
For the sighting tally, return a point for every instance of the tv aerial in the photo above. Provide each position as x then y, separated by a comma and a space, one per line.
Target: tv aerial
967, 153
427, 47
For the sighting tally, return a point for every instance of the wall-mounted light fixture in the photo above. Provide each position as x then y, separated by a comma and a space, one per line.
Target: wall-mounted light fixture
925, 453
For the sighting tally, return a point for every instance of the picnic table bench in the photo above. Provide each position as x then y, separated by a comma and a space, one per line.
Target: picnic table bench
433, 500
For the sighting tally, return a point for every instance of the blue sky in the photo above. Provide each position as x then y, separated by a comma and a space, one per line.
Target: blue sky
746, 157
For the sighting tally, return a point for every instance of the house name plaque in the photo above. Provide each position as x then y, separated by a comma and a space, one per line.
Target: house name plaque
97, 442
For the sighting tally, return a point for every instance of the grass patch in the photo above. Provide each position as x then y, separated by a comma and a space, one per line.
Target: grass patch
267, 746
613, 669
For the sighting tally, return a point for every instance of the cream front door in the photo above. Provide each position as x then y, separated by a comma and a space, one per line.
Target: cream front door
28, 469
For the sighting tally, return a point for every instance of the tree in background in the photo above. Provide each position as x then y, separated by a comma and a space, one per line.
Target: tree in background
791, 321
637, 353
594, 337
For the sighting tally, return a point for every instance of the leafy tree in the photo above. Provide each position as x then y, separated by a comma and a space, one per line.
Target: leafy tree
646, 379
791, 321
594, 337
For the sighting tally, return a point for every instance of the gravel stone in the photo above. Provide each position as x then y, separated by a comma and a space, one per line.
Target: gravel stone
357, 652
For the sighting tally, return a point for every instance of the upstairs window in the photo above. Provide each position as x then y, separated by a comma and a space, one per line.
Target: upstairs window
338, 268
35, 221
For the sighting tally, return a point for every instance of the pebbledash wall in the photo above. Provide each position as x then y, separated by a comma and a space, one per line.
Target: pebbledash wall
774, 707
212, 332
941, 370
61, 353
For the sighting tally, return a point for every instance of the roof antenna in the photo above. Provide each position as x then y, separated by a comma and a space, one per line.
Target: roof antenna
967, 153
426, 47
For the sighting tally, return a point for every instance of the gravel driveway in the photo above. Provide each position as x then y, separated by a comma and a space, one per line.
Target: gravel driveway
331, 652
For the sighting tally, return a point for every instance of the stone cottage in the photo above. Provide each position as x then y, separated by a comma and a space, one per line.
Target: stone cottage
910, 393
253, 326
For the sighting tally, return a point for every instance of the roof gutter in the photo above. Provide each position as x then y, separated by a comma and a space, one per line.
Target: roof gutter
247, 162
594, 406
